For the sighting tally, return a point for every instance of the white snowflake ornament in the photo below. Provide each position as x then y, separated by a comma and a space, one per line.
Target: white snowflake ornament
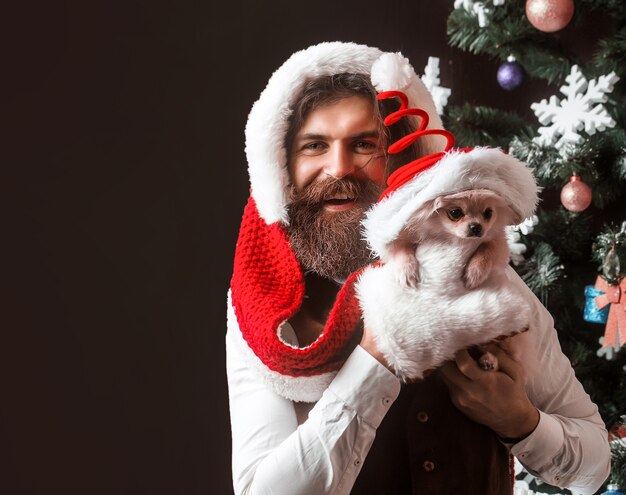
581, 109
609, 352
522, 486
528, 225
513, 238
431, 81
479, 9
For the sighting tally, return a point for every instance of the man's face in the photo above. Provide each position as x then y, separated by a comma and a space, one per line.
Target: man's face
337, 169
338, 140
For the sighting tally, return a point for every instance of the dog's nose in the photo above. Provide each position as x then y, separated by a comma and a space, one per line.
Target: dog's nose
475, 230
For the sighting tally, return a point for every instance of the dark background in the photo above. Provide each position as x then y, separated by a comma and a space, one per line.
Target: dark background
123, 182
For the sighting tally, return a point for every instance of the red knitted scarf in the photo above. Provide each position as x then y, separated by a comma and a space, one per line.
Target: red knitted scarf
267, 288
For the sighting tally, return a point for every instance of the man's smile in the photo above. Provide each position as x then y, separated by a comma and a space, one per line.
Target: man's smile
339, 202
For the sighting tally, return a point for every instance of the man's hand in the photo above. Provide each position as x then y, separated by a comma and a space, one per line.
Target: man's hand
496, 399
369, 344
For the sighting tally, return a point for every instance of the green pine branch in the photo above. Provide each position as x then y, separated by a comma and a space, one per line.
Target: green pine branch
618, 464
543, 271
510, 33
484, 126
611, 54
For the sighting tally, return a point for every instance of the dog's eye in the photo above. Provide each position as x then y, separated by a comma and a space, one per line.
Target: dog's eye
488, 213
455, 214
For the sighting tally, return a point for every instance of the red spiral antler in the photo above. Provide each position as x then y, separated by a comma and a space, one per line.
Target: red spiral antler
411, 169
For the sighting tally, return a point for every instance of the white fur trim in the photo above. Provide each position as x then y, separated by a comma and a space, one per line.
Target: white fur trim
417, 329
269, 118
391, 71
481, 168
297, 389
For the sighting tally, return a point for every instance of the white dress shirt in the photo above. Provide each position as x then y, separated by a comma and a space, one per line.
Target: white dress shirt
273, 454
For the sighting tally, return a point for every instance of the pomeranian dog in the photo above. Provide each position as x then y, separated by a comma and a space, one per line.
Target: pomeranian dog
472, 222
474, 219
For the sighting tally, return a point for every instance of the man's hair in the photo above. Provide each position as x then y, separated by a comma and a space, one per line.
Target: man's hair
325, 90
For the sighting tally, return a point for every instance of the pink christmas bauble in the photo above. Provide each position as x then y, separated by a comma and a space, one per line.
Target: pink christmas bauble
549, 15
576, 195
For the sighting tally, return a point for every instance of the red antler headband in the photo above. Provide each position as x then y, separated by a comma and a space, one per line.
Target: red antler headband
405, 173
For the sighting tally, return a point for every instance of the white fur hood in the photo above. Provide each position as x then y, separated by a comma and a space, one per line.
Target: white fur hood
480, 168
269, 118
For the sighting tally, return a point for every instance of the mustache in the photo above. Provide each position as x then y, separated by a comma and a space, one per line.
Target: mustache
315, 194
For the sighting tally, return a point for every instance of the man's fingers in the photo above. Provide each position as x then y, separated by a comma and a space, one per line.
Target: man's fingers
467, 365
451, 374
506, 363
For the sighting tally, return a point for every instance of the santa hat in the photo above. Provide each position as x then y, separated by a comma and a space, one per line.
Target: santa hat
268, 285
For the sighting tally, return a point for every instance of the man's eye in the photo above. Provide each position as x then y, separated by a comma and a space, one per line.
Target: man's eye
365, 146
315, 146
455, 213
488, 213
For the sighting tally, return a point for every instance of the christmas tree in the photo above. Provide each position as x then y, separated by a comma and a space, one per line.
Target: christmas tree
573, 254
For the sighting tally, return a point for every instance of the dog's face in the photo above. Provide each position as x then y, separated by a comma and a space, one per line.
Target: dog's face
470, 214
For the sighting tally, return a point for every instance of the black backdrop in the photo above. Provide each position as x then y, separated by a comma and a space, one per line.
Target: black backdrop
124, 172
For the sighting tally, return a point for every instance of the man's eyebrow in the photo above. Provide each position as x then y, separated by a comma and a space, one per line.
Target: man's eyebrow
310, 136
366, 134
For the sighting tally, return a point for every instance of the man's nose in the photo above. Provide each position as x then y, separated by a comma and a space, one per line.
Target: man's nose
341, 162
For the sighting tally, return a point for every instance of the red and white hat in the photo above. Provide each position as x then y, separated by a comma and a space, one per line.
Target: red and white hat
441, 173
267, 286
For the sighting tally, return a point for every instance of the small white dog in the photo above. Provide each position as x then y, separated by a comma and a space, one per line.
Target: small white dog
474, 219
445, 283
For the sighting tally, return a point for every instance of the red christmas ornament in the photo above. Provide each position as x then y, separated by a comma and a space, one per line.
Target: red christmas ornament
617, 432
549, 15
576, 195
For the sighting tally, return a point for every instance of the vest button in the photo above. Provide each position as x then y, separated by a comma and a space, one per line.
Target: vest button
429, 466
422, 417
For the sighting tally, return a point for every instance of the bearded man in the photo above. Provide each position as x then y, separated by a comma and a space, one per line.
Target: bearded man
315, 407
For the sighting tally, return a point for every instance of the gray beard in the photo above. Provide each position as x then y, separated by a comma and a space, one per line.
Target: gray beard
330, 244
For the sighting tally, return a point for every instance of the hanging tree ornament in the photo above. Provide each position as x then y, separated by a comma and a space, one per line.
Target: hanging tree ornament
611, 267
607, 352
514, 239
431, 81
613, 288
478, 9
576, 195
549, 15
581, 109
612, 489
511, 74
610, 290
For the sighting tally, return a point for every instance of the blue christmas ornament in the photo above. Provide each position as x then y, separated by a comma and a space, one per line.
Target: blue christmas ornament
592, 314
511, 75
612, 490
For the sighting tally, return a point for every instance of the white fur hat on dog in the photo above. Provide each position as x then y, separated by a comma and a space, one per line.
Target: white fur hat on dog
456, 171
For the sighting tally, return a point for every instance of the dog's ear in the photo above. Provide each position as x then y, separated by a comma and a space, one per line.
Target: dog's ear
506, 214
421, 216
430, 207
446, 201
433, 205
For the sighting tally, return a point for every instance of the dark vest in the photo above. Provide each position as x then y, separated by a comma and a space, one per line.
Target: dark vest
425, 446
